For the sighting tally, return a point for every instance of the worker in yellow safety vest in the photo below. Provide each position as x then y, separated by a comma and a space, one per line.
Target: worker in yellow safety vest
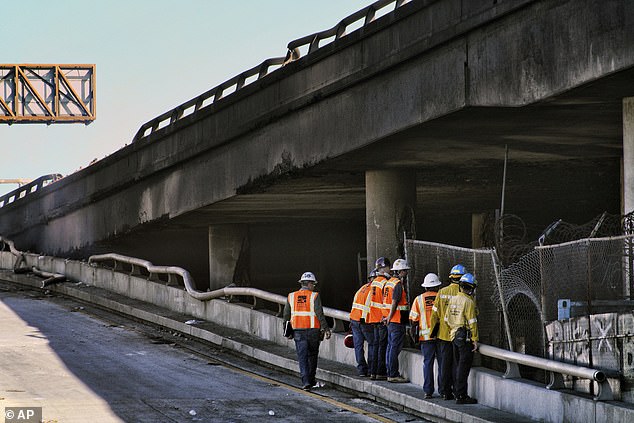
395, 302
304, 311
461, 318
361, 330
445, 349
382, 268
420, 319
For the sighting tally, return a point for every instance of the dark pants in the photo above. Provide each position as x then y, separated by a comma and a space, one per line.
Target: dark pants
380, 348
307, 347
395, 339
463, 357
362, 332
445, 364
431, 351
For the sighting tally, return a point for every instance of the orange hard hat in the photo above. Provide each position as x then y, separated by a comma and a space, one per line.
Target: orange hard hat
348, 341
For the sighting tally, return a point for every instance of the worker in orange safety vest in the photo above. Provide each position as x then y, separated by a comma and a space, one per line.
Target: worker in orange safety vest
304, 311
361, 330
420, 319
395, 302
382, 268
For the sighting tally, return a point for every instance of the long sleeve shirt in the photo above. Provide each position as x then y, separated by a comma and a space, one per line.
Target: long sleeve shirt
461, 312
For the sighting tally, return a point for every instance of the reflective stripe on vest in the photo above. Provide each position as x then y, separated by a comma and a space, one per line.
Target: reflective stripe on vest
424, 305
303, 314
376, 300
387, 300
361, 303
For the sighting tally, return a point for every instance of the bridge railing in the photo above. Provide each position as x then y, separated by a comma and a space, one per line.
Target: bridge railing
311, 42
512, 359
29, 188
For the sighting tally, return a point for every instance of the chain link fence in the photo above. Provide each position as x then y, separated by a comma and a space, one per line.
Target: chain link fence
517, 302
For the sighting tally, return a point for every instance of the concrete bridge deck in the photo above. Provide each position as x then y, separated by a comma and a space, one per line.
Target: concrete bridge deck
435, 88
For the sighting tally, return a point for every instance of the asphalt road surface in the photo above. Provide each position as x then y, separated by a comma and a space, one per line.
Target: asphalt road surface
83, 364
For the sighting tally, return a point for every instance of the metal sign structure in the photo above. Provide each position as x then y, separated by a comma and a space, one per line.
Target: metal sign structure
47, 94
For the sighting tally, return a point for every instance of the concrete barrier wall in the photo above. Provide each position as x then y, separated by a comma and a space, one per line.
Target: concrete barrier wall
518, 396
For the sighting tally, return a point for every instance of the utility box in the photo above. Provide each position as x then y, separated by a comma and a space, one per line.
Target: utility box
563, 309
567, 308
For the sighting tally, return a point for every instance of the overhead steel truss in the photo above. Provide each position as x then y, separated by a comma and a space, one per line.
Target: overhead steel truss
47, 94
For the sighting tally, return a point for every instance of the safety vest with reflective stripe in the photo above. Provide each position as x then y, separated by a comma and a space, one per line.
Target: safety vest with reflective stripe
421, 312
303, 314
376, 300
439, 308
361, 303
461, 312
402, 306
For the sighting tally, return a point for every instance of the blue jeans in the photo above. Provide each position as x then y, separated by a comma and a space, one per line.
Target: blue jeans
307, 347
395, 339
380, 348
431, 352
362, 332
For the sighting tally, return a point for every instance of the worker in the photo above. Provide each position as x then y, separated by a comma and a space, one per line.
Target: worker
461, 318
395, 301
361, 330
375, 317
445, 349
420, 319
304, 310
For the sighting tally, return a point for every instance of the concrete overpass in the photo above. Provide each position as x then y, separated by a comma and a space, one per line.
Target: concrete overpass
398, 126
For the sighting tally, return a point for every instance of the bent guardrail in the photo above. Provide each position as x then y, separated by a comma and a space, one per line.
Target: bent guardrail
512, 359
312, 42
173, 273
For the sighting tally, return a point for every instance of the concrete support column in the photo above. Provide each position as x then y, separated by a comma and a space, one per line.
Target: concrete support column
628, 155
225, 246
390, 203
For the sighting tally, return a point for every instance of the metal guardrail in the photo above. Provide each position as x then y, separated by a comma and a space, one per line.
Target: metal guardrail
555, 368
367, 14
24, 190
513, 359
173, 273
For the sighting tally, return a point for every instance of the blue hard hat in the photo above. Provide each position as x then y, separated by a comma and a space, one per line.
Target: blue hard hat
469, 279
457, 271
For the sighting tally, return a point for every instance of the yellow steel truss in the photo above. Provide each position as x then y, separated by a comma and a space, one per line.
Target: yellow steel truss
47, 93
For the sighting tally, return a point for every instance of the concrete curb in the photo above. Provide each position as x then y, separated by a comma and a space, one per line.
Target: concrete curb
407, 397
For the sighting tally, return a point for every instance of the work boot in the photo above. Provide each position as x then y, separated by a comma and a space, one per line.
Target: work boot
306, 387
466, 400
448, 397
397, 379
381, 377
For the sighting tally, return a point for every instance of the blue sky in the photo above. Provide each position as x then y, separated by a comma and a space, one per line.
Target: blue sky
150, 56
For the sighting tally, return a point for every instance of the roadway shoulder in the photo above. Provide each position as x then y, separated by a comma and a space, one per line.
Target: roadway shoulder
407, 397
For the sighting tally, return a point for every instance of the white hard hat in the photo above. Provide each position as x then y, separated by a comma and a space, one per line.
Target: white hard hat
400, 264
308, 276
431, 280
